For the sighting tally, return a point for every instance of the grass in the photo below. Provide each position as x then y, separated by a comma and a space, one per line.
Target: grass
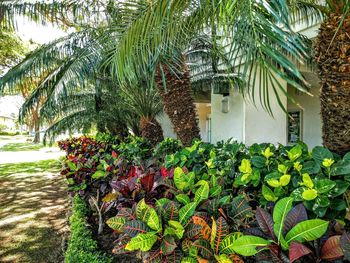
32, 212
20, 146
51, 166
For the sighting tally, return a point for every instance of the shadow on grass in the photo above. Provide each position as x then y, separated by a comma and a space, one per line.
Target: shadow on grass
32, 212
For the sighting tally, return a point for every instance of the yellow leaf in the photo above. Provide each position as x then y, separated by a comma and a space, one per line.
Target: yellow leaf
285, 179
273, 183
245, 167
307, 181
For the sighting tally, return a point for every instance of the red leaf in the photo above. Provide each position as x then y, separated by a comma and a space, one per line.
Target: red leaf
297, 250
164, 172
331, 250
265, 222
132, 171
147, 182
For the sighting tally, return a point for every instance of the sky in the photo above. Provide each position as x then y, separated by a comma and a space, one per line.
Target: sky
28, 30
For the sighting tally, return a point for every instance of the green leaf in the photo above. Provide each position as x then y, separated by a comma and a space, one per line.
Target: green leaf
222, 258
182, 198
339, 189
324, 185
143, 242
308, 230
280, 212
98, 174
71, 165
116, 223
148, 215
268, 194
247, 245
175, 228
320, 153
258, 161
227, 243
295, 152
179, 179
309, 194
341, 168
202, 193
215, 191
186, 212
153, 220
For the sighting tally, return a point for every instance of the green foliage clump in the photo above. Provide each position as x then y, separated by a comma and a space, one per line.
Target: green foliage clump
82, 248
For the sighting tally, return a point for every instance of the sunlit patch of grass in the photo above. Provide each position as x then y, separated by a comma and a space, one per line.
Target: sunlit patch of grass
20, 146
51, 166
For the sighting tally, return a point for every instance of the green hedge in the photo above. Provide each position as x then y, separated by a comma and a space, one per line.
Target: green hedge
81, 247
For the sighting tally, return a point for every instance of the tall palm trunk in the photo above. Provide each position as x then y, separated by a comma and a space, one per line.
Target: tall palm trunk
151, 130
333, 57
178, 101
36, 122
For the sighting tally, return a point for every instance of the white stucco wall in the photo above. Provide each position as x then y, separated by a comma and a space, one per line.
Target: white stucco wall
203, 113
311, 118
227, 125
259, 125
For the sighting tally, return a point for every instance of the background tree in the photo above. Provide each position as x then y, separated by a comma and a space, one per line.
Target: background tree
333, 58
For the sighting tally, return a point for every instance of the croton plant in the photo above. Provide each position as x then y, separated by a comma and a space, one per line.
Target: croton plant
214, 203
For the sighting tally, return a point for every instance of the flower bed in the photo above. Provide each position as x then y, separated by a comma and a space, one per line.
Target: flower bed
213, 203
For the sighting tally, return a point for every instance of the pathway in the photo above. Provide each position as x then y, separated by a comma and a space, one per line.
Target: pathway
32, 207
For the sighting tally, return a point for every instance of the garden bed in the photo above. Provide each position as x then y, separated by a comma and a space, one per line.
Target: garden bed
211, 203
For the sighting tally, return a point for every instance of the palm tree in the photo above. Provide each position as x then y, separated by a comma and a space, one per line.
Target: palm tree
333, 58
152, 36
258, 38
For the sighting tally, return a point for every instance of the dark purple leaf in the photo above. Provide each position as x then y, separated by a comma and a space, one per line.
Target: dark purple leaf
296, 215
265, 222
168, 245
297, 250
255, 231
345, 244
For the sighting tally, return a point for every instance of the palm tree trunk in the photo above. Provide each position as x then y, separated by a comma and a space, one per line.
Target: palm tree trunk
333, 57
37, 131
151, 130
178, 101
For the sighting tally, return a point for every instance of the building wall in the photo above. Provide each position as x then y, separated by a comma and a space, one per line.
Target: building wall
311, 119
227, 125
203, 114
259, 125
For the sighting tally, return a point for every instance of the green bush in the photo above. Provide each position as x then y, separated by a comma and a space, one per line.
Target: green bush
82, 248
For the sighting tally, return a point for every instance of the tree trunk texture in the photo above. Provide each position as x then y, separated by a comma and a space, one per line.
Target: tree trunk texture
333, 58
178, 101
151, 130
36, 124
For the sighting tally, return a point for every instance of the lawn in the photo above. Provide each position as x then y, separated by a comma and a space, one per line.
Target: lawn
20, 146
32, 212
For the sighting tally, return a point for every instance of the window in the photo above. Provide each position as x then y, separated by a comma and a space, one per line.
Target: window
294, 128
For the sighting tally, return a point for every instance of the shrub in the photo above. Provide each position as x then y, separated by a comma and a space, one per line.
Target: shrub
81, 247
205, 187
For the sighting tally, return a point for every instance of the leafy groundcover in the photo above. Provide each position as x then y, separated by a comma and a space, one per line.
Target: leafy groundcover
211, 203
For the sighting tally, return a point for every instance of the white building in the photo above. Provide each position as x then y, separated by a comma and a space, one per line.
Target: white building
232, 116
